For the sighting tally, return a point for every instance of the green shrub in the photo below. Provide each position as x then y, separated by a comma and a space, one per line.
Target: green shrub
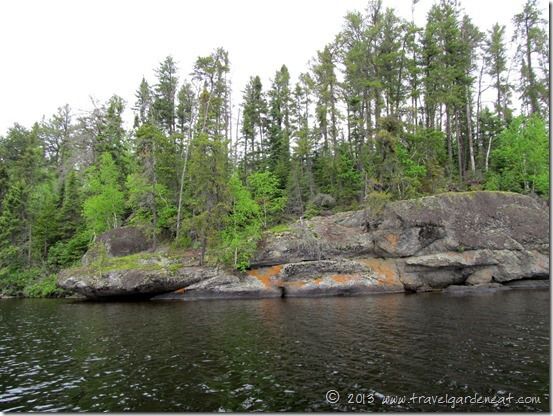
13, 281
43, 288
67, 253
376, 201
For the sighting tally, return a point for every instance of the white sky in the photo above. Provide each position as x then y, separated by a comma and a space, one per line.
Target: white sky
64, 51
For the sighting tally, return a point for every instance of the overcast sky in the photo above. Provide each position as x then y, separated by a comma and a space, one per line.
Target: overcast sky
65, 51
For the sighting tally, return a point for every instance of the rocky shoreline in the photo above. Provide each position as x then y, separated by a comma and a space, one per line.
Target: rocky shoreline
457, 242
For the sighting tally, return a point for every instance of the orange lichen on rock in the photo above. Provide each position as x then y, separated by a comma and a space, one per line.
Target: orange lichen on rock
385, 269
341, 278
264, 275
180, 291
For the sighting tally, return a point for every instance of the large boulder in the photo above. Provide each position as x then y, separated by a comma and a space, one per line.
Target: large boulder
118, 242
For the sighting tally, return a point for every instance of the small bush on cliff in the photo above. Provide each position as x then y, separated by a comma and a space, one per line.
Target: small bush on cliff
376, 201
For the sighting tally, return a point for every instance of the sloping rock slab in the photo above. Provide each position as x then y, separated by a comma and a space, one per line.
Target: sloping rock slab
133, 282
443, 223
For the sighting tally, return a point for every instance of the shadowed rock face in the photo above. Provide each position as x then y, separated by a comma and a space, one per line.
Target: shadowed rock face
119, 242
476, 239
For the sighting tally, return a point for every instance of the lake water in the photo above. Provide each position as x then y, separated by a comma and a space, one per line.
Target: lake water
277, 354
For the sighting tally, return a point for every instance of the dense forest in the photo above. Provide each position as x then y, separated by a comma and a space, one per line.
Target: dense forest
387, 111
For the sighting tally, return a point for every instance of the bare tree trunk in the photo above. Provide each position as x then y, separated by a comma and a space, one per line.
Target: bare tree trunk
448, 137
469, 133
154, 186
235, 155
531, 77
181, 189
459, 146
488, 151
183, 172
478, 105
30, 250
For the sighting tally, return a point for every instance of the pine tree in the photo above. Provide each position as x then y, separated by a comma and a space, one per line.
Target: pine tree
532, 43
111, 137
143, 105
279, 125
496, 62
149, 187
56, 135
165, 93
254, 109
70, 218
207, 193
208, 168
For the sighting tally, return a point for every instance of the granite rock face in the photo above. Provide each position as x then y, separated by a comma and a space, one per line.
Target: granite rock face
473, 240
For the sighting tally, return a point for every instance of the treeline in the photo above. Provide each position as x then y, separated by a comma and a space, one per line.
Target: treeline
389, 110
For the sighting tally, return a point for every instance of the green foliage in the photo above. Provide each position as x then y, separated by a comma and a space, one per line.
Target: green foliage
165, 92
376, 201
265, 190
426, 150
242, 226
139, 202
348, 176
43, 288
520, 162
67, 253
31, 282
412, 174
105, 203
13, 280
280, 125
311, 210
12, 226
531, 37
207, 191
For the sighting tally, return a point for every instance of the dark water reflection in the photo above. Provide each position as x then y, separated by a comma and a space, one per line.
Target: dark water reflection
277, 354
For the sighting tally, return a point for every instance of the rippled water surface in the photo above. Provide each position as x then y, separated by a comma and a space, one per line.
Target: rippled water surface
277, 354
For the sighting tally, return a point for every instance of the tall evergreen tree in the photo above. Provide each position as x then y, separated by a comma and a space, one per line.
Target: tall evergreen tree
532, 43
254, 109
165, 92
143, 104
496, 63
279, 125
